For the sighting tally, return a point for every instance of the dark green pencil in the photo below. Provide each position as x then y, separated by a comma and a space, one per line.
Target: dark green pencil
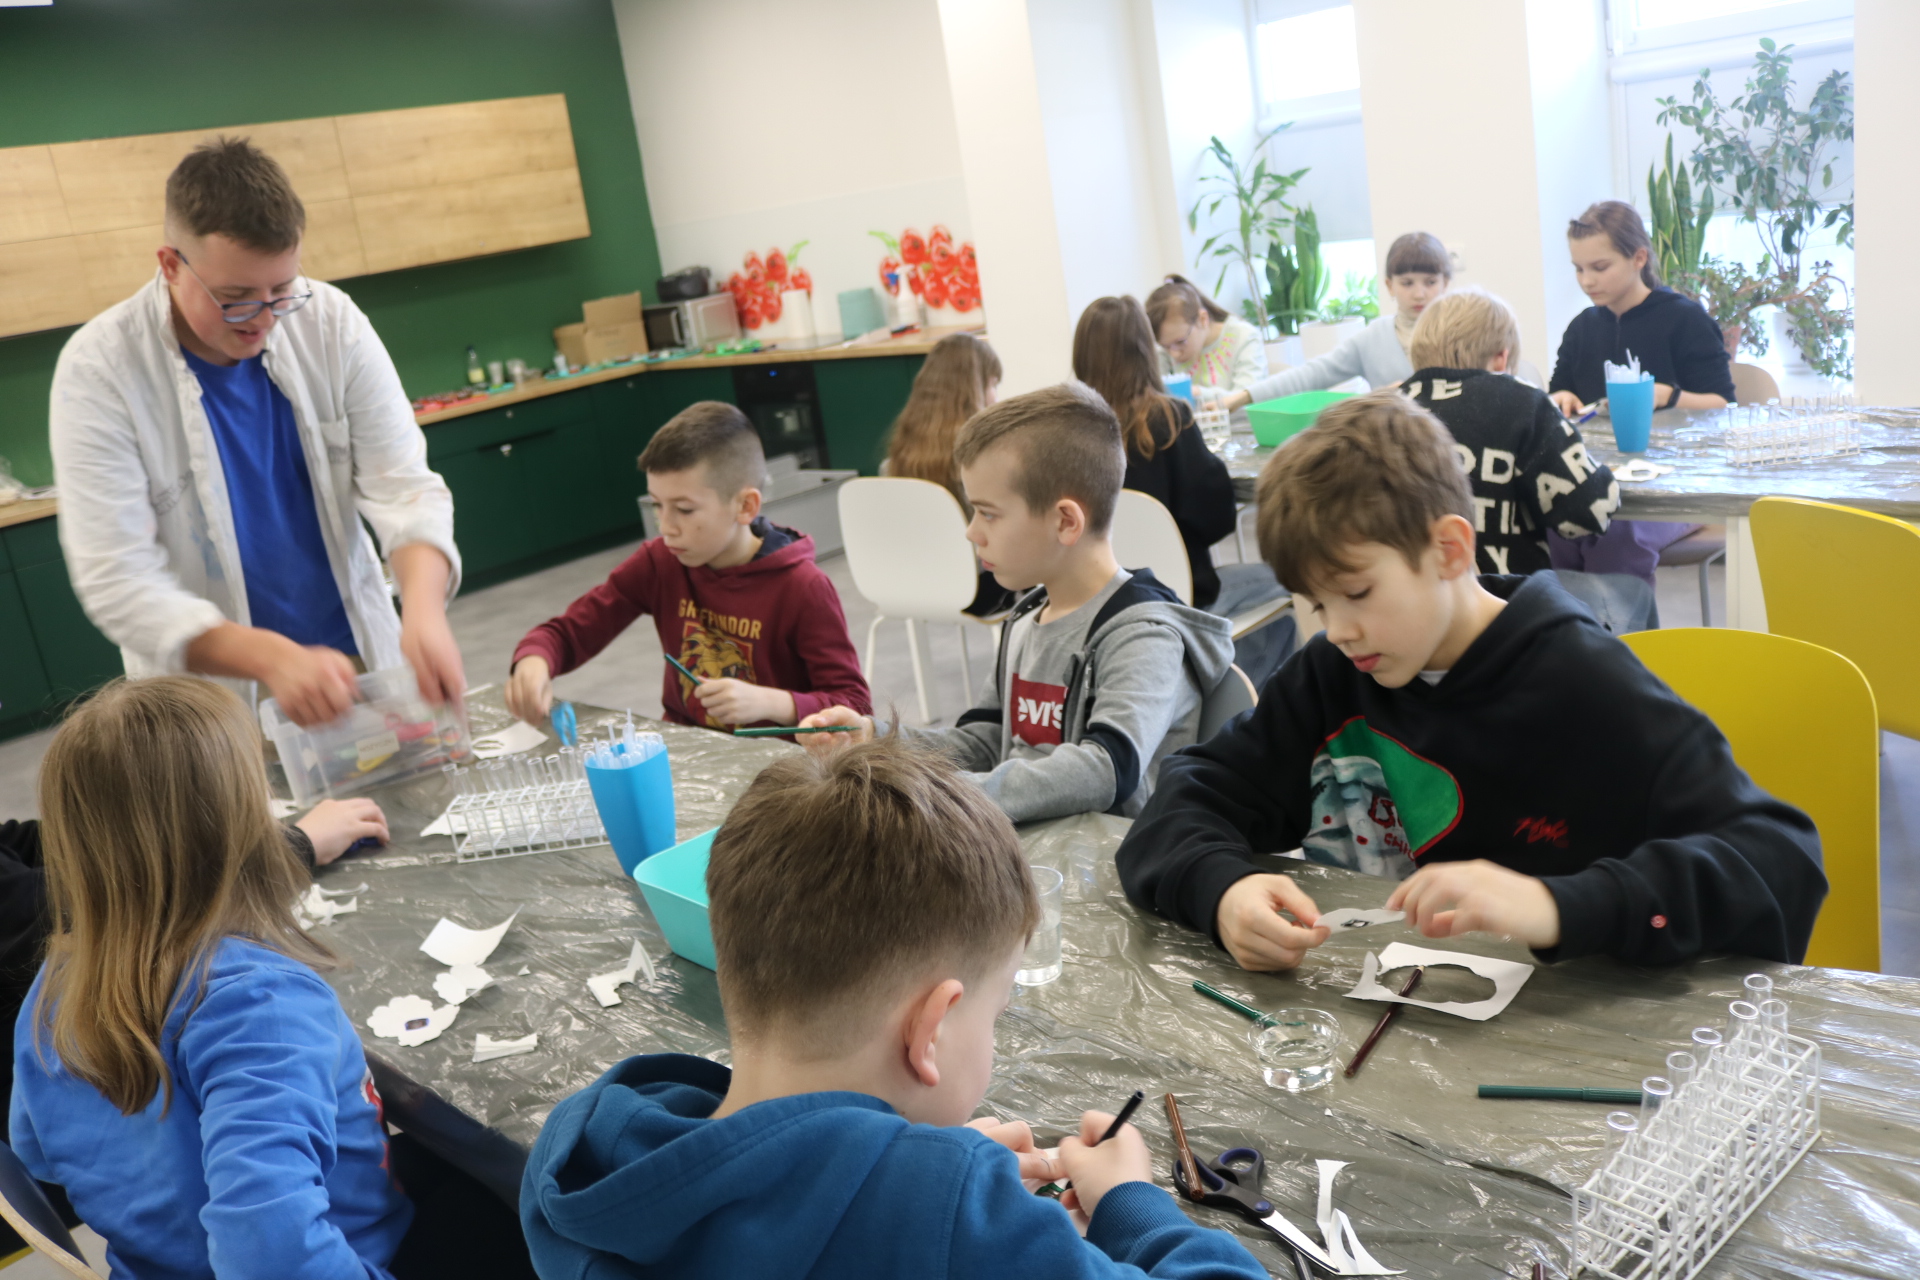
1213, 993
1557, 1093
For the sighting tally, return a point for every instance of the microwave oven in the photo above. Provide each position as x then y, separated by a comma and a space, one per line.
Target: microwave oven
693, 324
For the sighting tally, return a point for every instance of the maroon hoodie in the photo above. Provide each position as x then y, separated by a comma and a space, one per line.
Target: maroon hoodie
773, 621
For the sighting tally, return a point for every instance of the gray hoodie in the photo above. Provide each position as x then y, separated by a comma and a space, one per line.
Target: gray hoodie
1079, 711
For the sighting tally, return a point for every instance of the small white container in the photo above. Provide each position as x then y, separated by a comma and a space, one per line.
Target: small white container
390, 735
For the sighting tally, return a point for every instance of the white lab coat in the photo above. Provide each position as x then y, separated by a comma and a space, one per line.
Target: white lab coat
144, 519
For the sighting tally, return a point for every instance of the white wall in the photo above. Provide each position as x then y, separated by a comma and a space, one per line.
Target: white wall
763, 123
1336, 187
1887, 191
1572, 146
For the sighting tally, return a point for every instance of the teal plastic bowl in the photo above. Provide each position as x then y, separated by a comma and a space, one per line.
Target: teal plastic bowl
674, 883
1278, 421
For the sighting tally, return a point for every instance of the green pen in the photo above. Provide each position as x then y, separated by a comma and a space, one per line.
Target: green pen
1554, 1093
1213, 993
675, 663
777, 730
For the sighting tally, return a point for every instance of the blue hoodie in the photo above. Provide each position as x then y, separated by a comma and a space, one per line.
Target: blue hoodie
631, 1179
270, 1163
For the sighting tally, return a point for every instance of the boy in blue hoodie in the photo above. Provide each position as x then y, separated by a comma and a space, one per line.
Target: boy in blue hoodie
869, 910
1480, 739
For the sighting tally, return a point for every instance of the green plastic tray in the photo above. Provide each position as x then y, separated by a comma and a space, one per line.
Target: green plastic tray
1277, 421
674, 883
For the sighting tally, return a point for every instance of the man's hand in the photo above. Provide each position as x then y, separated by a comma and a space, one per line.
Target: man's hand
430, 649
825, 744
315, 684
530, 691
335, 826
1254, 932
1016, 1137
1451, 898
733, 701
1569, 404
1098, 1170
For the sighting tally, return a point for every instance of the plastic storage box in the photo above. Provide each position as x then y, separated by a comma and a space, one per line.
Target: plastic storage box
674, 883
1278, 421
390, 735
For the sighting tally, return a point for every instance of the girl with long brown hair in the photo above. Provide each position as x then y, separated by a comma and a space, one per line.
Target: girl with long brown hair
960, 377
1113, 352
181, 1068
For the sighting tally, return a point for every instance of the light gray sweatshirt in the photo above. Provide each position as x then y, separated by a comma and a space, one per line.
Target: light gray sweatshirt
1374, 353
1079, 712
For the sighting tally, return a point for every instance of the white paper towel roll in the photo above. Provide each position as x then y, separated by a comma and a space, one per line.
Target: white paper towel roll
796, 314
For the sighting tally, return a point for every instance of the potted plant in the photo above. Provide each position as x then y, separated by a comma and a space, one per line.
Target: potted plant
1678, 226
1261, 216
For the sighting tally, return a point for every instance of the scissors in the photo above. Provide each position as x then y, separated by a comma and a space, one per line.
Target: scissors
566, 726
1231, 1180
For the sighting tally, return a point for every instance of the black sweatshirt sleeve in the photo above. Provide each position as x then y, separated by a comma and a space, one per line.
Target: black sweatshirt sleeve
1700, 355
1567, 361
1566, 489
1202, 491
23, 910
1217, 803
1728, 868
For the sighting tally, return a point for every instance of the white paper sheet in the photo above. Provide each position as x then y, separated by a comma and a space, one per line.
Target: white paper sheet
452, 944
486, 1048
459, 982
1350, 1257
411, 1020
1347, 919
446, 825
516, 737
1507, 976
602, 984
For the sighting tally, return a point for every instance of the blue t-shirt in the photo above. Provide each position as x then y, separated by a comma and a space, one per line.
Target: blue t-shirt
271, 1161
290, 585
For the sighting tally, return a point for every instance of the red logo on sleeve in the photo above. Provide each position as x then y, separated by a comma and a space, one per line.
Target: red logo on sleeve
1038, 712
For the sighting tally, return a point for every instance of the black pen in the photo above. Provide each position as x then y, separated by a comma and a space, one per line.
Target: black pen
1126, 1114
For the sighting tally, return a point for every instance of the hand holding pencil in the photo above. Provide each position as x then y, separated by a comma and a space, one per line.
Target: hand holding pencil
1097, 1162
825, 743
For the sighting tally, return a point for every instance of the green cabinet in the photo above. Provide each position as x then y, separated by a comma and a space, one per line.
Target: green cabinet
75, 656
859, 399
23, 681
50, 653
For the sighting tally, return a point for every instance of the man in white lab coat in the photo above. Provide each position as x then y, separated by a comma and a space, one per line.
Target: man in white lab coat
218, 439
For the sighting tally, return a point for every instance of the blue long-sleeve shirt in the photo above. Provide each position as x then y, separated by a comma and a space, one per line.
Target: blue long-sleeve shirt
271, 1161
630, 1176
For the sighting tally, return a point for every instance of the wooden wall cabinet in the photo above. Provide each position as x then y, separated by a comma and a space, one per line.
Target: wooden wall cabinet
80, 221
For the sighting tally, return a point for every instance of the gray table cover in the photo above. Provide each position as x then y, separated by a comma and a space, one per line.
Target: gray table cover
1442, 1183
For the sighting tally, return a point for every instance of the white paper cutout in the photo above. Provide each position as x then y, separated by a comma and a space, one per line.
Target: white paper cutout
516, 737
1507, 976
602, 984
450, 943
459, 982
1350, 1257
444, 825
317, 906
411, 1020
281, 809
1347, 919
524, 971
486, 1048
1640, 471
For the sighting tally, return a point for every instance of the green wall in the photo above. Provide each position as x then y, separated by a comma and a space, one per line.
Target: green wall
106, 68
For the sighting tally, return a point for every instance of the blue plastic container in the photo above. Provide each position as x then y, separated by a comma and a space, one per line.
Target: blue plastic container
636, 807
1180, 385
1630, 404
674, 883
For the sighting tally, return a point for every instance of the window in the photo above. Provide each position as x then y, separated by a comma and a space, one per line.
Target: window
1309, 63
1665, 24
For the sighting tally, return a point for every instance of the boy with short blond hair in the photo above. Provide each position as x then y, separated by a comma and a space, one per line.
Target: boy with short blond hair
869, 909
735, 598
1101, 671
1482, 740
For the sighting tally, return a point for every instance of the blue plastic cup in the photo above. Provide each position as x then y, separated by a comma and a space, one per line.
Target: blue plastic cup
1179, 386
636, 808
1631, 406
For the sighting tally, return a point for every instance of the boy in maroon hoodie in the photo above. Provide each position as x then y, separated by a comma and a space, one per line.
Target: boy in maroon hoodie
736, 599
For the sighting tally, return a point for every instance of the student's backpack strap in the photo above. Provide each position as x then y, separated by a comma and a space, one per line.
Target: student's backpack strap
1034, 599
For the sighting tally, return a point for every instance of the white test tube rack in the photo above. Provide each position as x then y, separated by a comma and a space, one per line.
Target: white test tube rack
1679, 1186
512, 806
1796, 430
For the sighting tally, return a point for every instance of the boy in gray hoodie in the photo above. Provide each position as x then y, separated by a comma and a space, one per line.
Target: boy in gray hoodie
1101, 671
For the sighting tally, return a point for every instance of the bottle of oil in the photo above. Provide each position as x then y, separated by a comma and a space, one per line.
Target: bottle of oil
476, 376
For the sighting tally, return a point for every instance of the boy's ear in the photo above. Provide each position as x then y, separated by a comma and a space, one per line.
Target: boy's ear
746, 505
922, 1030
1070, 521
1500, 362
1452, 537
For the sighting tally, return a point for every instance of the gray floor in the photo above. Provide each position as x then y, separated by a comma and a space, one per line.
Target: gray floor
488, 623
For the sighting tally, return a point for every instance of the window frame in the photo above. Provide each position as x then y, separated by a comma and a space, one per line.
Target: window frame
1626, 39
1317, 111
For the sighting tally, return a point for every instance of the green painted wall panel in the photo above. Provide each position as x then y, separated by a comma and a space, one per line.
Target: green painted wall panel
23, 681
859, 399
105, 68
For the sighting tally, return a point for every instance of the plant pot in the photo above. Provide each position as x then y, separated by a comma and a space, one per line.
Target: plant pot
1316, 339
1731, 334
1790, 358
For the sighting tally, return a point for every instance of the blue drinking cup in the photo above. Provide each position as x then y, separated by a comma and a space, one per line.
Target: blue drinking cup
1631, 406
636, 807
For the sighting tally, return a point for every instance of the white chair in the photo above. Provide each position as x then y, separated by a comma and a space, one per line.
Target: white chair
1145, 536
1234, 694
1753, 384
26, 1210
908, 550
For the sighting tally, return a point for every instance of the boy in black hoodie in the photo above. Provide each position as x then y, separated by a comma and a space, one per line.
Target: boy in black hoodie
1480, 739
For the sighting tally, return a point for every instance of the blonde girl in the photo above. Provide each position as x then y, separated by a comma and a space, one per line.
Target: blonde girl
1198, 337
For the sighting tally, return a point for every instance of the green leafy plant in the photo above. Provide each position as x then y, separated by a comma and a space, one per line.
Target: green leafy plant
1731, 294
1679, 228
1261, 216
1361, 300
1297, 276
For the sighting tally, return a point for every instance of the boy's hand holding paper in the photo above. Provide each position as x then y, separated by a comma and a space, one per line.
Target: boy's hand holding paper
1254, 932
1452, 898
1017, 1137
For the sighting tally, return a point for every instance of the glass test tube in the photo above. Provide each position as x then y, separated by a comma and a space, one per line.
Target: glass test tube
1623, 1124
1680, 1068
1759, 987
1773, 1025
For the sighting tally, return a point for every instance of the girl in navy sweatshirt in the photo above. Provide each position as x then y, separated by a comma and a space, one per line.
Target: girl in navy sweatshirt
180, 1067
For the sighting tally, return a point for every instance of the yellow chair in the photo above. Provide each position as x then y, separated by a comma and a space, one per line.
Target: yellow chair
1800, 720
1849, 581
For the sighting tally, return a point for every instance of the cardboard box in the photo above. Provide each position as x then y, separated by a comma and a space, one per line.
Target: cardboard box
570, 340
604, 313
614, 341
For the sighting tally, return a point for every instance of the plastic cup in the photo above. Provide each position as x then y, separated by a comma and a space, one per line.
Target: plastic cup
1042, 963
636, 807
1630, 404
1298, 1049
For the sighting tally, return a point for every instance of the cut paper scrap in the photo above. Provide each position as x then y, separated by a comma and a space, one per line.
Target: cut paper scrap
1640, 470
486, 1048
411, 1020
318, 907
516, 737
1347, 919
1350, 1257
282, 809
459, 982
1507, 977
602, 984
446, 825
452, 944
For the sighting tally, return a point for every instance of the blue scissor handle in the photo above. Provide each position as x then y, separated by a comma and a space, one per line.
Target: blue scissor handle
1232, 1181
566, 726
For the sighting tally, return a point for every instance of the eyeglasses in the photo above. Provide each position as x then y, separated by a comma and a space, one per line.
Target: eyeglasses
241, 312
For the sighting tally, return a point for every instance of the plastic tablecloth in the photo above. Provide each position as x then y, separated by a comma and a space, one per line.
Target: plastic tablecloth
1441, 1182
